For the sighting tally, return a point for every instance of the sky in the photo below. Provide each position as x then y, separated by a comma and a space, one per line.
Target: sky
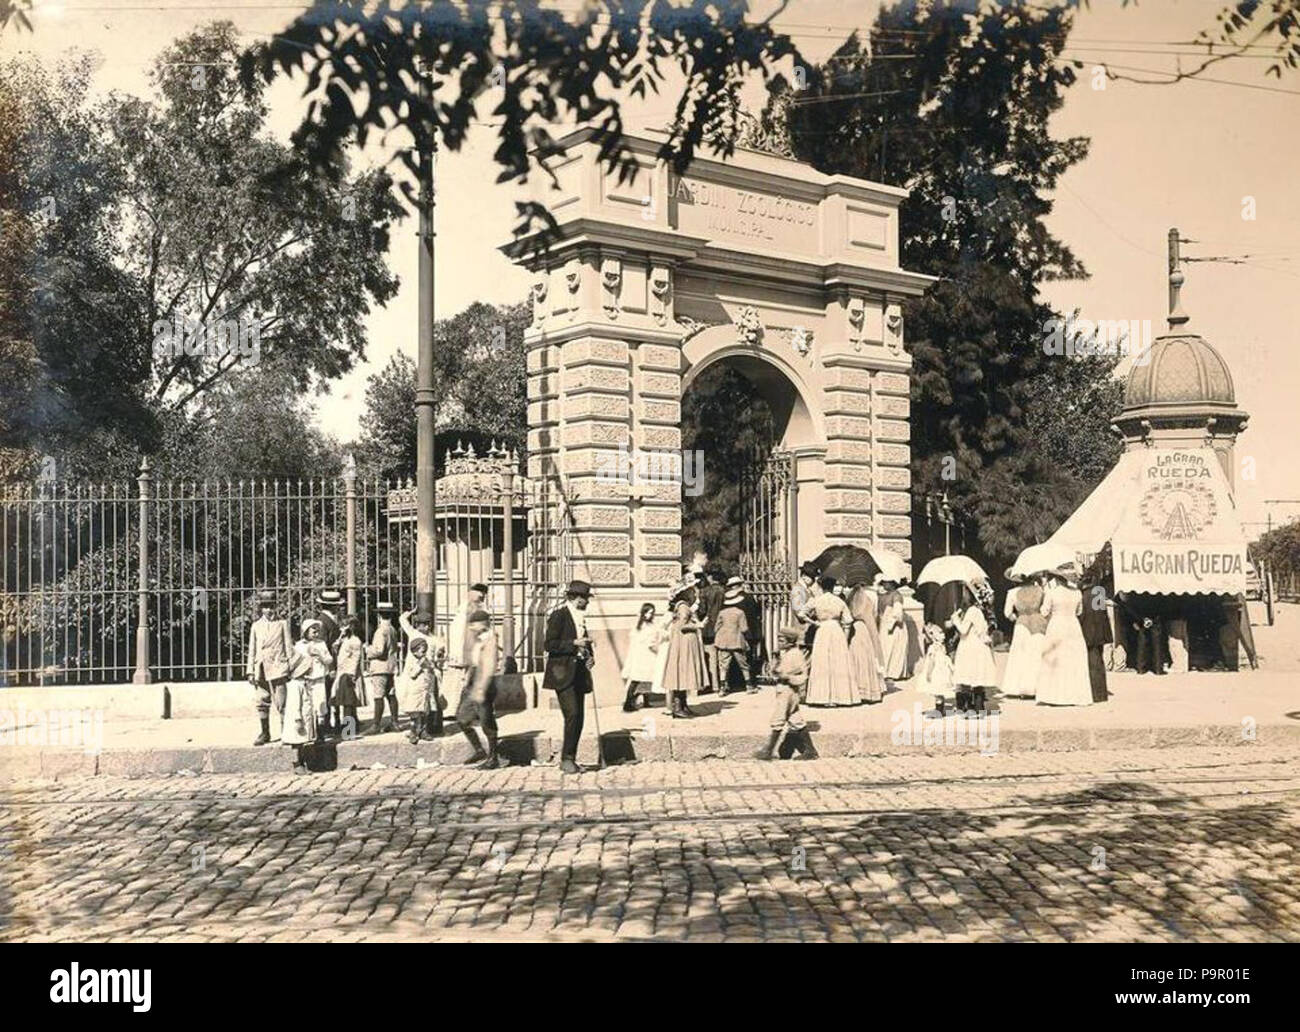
1194, 155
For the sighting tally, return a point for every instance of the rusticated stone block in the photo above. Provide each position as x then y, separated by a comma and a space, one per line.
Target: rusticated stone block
601, 406
839, 474
601, 546
595, 378
848, 501
848, 377
543, 439
894, 526
541, 467
610, 574
546, 385
848, 525
601, 517
893, 405
668, 437
850, 451
893, 454
657, 492
893, 502
668, 385
543, 358
650, 574
654, 410
851, 403
659, 356
604, 463
589, 432
894, 476
599, 488
893, 383
542, 412
659, 518
595, 350
892, 430
659, 546
848, 426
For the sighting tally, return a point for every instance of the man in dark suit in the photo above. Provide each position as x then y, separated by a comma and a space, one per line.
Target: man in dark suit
1094, 621
330, 602
711, 599
568, 667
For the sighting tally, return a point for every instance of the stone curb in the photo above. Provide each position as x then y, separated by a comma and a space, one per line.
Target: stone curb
620, 746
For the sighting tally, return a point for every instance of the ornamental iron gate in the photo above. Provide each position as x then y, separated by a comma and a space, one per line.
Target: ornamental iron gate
768, 536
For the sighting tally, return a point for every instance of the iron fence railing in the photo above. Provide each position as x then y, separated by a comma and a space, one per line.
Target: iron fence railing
73, 597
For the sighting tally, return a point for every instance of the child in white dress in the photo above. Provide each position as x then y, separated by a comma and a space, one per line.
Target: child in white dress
642, 658
936, 666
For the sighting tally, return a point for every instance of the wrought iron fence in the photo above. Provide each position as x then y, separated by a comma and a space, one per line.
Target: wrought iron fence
82, 562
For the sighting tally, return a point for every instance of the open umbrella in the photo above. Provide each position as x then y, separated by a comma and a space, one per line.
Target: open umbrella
850, 565
1041, 558
947, 568
892, 565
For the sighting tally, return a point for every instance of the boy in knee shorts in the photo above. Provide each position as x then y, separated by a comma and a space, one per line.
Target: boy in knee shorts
792, 676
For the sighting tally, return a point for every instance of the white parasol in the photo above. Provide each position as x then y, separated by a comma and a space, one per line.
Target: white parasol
948, 568
1042, 558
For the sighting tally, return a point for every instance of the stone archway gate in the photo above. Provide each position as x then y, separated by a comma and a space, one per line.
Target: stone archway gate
756, 258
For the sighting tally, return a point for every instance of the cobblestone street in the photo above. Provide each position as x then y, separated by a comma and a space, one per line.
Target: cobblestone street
1134, 845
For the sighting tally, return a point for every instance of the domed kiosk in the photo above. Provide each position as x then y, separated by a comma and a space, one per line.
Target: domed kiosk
1161, 531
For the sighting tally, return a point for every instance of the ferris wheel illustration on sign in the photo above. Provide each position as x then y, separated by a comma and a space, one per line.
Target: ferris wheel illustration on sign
1178, 511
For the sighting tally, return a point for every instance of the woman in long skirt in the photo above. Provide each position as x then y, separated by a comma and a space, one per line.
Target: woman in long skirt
1063, 676
1024, 606
832, 679
864, 647
974, 671
893, 632
684, 668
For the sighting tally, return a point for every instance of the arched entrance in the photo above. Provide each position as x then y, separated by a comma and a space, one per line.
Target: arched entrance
781, 275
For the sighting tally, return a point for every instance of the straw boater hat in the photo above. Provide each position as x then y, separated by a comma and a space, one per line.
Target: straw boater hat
384, 608
329, 597
734, 595
266, 597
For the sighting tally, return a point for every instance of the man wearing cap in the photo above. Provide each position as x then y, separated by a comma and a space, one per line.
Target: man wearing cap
269, 647
329, 603
729, 638
568, 667
382, 665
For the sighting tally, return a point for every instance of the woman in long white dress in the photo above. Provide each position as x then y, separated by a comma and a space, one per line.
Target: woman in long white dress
973, 666
864, 646
1024, 606
831, 680
893, 632
1063, 676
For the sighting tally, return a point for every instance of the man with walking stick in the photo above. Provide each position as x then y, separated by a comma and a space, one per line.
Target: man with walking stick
568, 667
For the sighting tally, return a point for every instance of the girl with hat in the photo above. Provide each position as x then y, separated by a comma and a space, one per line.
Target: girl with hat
312, 645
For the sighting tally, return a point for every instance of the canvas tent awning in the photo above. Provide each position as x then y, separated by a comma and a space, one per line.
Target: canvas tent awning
1171, 523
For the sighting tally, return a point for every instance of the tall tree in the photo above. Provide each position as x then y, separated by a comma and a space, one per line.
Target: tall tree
953, 101
176, 213
479, 380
